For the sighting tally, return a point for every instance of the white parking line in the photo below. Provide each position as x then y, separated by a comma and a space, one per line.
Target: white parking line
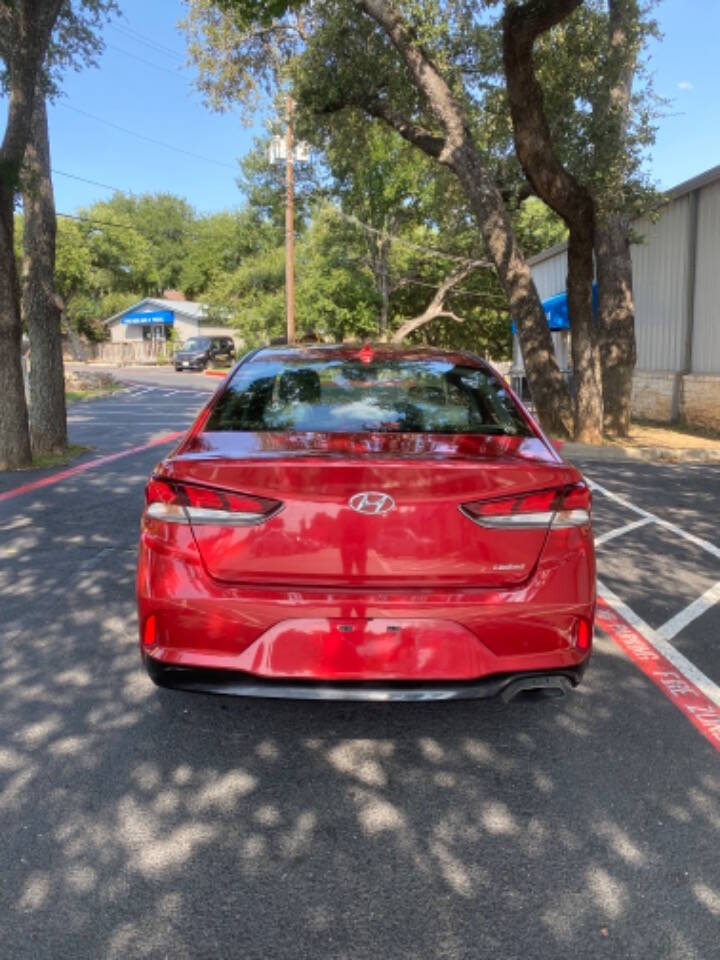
692, 611
690, 537
134, 414
619, 531
667, 650
692, 692
671, 527
618, 499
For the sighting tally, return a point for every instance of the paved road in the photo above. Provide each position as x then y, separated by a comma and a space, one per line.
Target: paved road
138, 823
154, 376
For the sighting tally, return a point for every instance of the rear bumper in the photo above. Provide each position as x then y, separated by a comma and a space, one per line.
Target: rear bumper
239, 684
440, 643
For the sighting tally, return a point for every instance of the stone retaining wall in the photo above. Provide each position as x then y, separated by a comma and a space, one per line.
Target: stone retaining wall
700, 402
664, 396
654, 395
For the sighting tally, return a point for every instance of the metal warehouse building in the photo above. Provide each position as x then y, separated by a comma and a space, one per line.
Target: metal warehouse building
676, 282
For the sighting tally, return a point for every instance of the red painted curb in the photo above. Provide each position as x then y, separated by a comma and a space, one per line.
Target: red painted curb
700, 710
215, 373
89, 465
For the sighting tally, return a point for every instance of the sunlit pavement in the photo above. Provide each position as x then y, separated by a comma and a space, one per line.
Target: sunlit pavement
143, 823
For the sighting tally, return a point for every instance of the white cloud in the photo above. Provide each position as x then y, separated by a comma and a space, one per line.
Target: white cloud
685, 85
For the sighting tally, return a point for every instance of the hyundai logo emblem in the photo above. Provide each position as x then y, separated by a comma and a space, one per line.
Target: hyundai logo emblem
372, 502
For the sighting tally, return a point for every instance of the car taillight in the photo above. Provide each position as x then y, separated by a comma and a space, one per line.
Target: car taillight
176, 502
563, 507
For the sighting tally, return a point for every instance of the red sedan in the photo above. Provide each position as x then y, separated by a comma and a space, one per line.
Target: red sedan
366, 523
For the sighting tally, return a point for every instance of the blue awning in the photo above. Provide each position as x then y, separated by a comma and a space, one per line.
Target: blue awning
556, 310
150, 316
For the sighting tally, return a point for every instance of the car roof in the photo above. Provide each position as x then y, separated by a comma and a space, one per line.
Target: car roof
348, 351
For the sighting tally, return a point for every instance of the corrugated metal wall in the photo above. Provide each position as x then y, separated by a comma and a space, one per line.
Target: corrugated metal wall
706, 328
660, 276
661, 265
550, 275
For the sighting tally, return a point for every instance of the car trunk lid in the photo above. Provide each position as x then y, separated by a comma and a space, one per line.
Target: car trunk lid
372, 510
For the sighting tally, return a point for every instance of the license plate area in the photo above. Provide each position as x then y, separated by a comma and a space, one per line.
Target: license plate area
366, 649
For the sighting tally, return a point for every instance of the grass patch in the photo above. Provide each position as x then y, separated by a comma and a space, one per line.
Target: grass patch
60, 459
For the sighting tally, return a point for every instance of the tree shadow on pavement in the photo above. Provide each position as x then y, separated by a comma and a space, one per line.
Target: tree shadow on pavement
137, 822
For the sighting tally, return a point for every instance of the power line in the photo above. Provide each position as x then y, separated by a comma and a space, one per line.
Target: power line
99, 223
393, 238
430, 251
149, 63
414, 282
142, 136
138, 37
127, 226
95, 183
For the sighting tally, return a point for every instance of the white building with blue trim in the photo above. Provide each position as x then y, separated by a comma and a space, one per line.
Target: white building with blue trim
152, 319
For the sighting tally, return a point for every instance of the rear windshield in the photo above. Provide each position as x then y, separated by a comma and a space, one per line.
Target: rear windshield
348, 396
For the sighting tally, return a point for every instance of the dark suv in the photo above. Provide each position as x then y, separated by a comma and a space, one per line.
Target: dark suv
198, 352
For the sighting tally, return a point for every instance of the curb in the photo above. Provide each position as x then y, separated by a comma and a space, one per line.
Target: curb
215, 373
648, 454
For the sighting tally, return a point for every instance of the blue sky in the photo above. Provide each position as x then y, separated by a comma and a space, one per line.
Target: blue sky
146, 89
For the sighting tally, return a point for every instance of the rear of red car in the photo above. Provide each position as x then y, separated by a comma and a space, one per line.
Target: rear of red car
365, 522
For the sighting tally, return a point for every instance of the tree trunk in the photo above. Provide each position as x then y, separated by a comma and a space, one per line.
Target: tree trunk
616, 306
14, 435
26, 26
545, 380
587, 376
41, 305
458, 152
522, 25
616, 314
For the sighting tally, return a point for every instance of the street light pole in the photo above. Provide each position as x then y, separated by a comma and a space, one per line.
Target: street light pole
289, 227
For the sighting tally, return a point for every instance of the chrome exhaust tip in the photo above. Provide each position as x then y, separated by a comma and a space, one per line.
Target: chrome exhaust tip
550, 686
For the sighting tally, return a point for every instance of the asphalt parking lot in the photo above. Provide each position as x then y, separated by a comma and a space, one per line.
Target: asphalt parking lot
141, 823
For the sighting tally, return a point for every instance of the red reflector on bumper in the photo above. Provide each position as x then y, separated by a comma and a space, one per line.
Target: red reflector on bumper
583, 635
149, 631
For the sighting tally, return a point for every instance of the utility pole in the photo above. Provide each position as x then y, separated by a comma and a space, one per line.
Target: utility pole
289, 226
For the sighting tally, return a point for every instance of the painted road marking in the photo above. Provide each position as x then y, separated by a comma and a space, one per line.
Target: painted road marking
662, 647
691, 612
205, 388
89, 465
621, 500
135, 412
619, 531
672, 527
694, 694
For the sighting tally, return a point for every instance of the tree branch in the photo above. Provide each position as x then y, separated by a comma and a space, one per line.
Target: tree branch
536, 16
414, 133
427, 77
522, 25
436, 307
